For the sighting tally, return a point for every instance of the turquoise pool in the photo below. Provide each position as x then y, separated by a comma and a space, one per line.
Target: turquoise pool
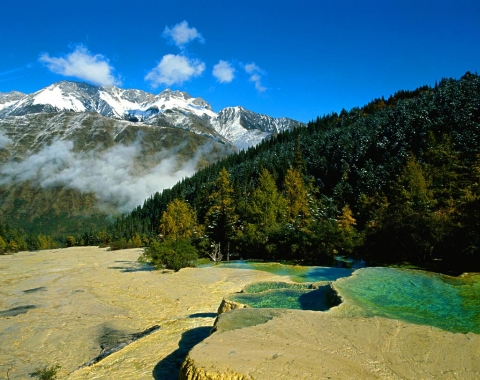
450, 303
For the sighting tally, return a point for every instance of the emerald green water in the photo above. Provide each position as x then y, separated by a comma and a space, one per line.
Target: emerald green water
283, 295
259, 287
450, 303
296, 273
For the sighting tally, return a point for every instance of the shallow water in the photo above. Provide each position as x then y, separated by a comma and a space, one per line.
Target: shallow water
283, 295
295, 273
285, 298
450, 303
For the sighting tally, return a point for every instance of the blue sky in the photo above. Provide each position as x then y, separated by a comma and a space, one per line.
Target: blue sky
299, 59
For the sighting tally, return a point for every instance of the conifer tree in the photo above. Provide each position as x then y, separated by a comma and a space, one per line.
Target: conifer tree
296, 196
3, 245
265, 214
267, 205
177, 227
221, 216
346, 223
407, 229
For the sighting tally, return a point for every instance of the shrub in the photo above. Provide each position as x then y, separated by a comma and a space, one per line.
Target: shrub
46, 373
171, 254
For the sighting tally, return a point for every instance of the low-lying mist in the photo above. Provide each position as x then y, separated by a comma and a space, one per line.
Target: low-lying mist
122, 176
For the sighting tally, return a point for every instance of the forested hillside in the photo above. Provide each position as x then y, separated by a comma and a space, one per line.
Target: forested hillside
396, 181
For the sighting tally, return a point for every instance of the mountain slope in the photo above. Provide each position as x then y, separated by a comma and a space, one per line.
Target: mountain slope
75, 152
59, 166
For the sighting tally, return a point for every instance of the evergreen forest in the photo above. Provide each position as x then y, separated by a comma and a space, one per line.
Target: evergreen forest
396, 181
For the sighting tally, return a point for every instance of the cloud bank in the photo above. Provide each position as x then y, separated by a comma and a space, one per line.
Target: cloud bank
224, 72
175, 69
4, 140
83, 65
110, 174
181, 34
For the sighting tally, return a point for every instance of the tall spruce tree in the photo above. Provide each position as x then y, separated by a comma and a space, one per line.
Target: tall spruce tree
221, 216
408, 228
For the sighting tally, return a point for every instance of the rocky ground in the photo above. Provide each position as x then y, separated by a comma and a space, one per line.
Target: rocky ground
66, 306
314, 345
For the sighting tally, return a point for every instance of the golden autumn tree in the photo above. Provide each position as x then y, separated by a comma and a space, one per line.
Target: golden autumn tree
178, 221
296, 196
175, 249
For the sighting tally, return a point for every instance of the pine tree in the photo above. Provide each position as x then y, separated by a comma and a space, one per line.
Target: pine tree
177, 227
346, 223
3, 245
296, 196
407, 229
267, 206
265, 213
221, 216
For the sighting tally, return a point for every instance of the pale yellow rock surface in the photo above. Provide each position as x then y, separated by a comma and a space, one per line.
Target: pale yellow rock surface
80, 293
227, 305
313, 345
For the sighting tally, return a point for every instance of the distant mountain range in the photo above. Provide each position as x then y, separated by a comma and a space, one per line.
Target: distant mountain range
73, 152
232, 125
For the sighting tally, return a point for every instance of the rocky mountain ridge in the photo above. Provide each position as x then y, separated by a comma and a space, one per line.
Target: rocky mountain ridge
232, 125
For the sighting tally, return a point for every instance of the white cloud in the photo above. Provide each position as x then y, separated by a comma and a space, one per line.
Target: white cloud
181, 34
4, 140
257, 79
83, 65
223, 71
175, 69
255, 76
253, 68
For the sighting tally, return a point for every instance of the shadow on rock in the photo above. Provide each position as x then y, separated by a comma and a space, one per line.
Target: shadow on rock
315, 300
16, 311
169, 367
133, 267
34, 290
203, 315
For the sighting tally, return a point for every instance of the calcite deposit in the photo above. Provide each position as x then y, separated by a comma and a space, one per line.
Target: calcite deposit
65, 307
297, 344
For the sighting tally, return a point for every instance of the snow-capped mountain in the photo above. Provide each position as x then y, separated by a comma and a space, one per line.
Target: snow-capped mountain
234, 125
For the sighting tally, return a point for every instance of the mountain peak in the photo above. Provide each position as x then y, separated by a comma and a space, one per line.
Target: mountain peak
177, 109
175, 93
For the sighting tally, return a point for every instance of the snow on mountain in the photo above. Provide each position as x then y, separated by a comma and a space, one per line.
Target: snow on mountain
245, 128
55, 97
8, 99
234, 125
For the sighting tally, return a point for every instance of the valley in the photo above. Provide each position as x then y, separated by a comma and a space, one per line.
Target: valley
75, 153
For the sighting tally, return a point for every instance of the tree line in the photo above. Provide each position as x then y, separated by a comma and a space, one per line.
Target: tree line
395, 181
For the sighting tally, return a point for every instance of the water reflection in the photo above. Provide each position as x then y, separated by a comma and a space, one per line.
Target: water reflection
295, 273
